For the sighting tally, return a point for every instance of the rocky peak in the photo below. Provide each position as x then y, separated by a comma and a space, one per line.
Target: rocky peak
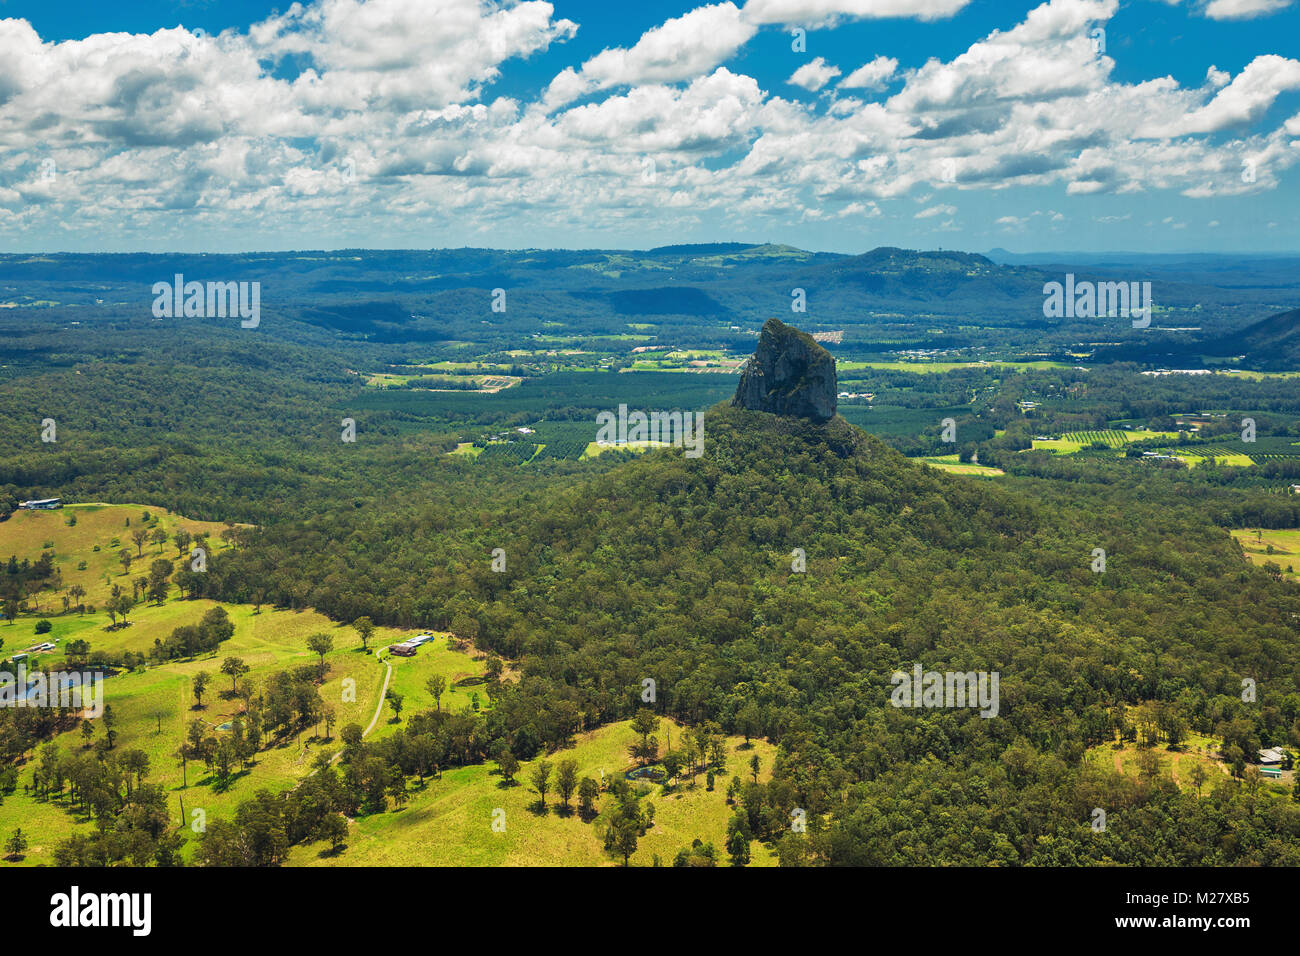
788, 374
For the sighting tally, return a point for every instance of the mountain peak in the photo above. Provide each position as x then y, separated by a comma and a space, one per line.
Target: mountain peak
788, 374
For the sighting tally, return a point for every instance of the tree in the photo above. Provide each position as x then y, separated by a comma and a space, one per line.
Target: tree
541, 778
738, 838
182, 539
200, 683
644, 724
1200, 774
754, 766
566, 779
140, 536
365, 629
159, 537
621, 837
16, 844
234, 668
672, 764
334, 828
182, 753
437, 685
508, 764
749, 721
159, 573
126, 558
320, 644
122, 604
395, 701
77, 592
588, 791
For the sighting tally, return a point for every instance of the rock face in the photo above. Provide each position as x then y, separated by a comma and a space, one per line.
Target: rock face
788, 374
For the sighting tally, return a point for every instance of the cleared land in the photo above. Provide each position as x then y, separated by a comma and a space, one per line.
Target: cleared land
152, 707
449, 821
1071, 442
99, 535
1281, 547
954, 464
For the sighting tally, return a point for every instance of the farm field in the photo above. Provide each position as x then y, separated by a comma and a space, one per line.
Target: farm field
1281, 547
939, 367
153, 706
449, 821
1071, 442
954, 465
1176, 765
100, 533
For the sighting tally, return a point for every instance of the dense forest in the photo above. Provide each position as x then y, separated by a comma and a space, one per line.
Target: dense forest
768, 589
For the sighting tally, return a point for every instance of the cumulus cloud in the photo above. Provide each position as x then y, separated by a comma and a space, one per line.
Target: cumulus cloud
1243, 9
871, 76
680, 49
336, 115
813, 75
810, 13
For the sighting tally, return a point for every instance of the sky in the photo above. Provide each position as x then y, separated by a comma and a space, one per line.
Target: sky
837, 125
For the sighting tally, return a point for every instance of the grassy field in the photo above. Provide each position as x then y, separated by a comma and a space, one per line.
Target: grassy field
1175, 765
490, 383
449, 821
104, 527
154, 706
1284, 545
933, 367
953, 464
595, 449
1233, 459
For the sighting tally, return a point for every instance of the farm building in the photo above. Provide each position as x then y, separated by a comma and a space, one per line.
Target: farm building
407, 648
41, 504
1271, 756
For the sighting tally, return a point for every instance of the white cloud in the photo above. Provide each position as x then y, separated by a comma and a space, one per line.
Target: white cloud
813, 75
871, 76
1244, 99
1243, 9
169, 131
809, 13
680, 49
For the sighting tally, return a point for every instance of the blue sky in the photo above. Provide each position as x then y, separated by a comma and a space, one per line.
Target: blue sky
209, 126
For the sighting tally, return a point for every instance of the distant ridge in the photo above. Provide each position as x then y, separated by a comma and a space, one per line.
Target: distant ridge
1272, 342
702, 248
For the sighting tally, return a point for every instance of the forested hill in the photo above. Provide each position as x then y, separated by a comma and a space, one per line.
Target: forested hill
679, 571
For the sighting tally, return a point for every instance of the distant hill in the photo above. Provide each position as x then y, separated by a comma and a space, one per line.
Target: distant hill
701, 248
1271, 343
